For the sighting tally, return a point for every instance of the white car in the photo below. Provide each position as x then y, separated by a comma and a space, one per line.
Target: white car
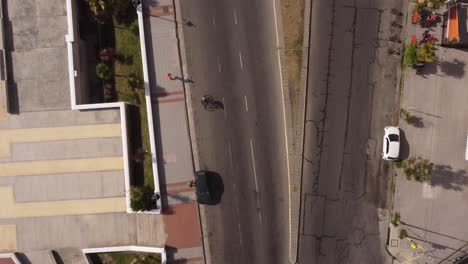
391, 143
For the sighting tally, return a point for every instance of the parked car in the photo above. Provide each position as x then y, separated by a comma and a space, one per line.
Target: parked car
391, 143
203, 189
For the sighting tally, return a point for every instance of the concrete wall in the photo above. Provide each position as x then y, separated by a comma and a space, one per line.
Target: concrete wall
3, 73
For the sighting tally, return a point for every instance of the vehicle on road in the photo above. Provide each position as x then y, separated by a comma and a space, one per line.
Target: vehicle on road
391, 143
209, 187
210, 104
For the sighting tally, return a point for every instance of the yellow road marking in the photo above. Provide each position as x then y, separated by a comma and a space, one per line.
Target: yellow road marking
10, 209
61, 166
55, 133
8, 238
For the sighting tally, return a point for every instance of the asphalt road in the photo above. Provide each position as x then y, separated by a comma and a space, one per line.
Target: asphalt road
352, 96
231, 55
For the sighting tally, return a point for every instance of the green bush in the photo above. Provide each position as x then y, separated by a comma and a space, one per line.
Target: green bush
426, 52
398, 164
410, 58
396, 219
140, 198
103, 71
407, 117
418, 169
403, 234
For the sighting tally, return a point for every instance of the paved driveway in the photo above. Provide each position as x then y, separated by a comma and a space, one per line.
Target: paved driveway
435, 214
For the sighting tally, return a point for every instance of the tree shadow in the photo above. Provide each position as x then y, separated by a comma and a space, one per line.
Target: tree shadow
449, 178
404, 146
454, 68
418, 122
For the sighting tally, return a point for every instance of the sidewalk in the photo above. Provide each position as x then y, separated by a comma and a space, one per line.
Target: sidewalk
180, 209
434, 213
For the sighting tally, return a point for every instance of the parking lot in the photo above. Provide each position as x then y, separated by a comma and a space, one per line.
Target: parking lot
435, 213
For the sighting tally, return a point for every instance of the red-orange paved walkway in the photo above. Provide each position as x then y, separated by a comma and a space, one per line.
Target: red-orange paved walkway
453, 24
182, 226
6, 261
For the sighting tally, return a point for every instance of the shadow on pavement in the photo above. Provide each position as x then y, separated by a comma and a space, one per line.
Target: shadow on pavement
433, 232
448, 178
217, 187
404, 146
455, 68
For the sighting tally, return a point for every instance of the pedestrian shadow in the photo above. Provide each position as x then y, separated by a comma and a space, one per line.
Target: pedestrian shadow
404, 146
448, 178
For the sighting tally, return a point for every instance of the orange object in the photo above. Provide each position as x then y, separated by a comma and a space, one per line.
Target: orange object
413, 40
415, 16
453, 24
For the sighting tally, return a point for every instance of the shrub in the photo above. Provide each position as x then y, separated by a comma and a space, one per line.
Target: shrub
396, 219
403, 234
407, 116
398, 164
141, 198
103, 71
425, 52
418, 169
410, 58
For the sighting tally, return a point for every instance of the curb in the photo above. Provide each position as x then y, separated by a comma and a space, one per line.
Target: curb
294, 134
298, 154
190, 120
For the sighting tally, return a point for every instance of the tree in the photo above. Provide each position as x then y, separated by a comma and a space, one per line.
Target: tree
104, 9
418, 169
134, 81
425, 52
103, 71
410, 58
141, 198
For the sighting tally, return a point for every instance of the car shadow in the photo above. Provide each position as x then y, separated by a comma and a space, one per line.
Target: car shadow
404, 146
216, 185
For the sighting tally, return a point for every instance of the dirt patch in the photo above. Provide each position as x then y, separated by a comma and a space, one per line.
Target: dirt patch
292, 12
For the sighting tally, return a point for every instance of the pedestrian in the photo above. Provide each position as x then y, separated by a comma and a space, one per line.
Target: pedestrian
191, 184
169, 76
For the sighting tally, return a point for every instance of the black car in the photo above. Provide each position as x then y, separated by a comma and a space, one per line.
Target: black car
208, 187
